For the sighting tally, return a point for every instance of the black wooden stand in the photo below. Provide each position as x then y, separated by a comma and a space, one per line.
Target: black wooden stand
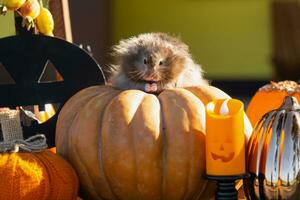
226, 186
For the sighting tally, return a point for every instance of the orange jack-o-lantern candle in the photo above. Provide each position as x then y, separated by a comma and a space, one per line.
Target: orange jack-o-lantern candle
225, 140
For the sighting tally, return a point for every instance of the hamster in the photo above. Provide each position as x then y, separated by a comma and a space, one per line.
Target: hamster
152, 62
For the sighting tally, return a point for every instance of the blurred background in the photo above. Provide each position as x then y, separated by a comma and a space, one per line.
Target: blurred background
241, 44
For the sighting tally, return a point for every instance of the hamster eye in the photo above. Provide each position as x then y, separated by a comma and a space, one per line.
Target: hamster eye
161, 62
145, 61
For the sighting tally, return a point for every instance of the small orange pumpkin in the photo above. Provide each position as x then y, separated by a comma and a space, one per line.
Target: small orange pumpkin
131, 145
27, 175
270, 97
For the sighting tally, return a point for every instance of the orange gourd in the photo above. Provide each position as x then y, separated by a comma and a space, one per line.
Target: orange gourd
25, 175
131, 145
270, 97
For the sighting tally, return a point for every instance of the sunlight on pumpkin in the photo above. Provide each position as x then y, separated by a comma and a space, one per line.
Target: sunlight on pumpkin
49, 109
43, 116
49, 112
25, 174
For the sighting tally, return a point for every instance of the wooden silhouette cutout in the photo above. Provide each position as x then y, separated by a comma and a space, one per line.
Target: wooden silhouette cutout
8, 79
25, 57
49, 73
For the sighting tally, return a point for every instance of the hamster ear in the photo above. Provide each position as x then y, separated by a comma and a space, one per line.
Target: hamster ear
118, 50
127, 46
125, 49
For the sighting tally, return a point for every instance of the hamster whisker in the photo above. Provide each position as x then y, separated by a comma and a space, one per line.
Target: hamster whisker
136, 74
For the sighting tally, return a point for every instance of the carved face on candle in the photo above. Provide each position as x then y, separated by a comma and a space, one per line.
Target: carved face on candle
223, 151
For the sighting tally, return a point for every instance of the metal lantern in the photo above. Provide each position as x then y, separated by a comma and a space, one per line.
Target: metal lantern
273, 154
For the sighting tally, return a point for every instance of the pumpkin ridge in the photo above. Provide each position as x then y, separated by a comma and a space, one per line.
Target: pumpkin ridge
202, 93
65, 111
164, 148
208, 98
133, 141
252, 141
62, 122
100, 150
151, 164
182, 104
73, 152
189, 194
137, 103
148, 189
207, 93
263, 146
193, 90
164, 107
106, 94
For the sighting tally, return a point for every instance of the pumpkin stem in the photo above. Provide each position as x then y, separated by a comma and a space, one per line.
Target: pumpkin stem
12, 132
290, 103
290, 87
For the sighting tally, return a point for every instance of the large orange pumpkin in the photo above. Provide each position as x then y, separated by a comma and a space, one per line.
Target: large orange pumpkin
270, 97
134, 145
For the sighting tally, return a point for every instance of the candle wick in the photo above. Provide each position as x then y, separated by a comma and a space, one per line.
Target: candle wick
224, 110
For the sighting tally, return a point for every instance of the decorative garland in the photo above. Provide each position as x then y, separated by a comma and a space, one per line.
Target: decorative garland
35, 15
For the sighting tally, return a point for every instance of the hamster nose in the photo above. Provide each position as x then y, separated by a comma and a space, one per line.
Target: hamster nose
152, 77
151, 66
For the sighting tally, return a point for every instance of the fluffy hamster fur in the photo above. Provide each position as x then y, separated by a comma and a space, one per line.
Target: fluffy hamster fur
152, 62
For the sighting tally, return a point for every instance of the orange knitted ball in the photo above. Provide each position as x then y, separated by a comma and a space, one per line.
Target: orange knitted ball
36, 176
